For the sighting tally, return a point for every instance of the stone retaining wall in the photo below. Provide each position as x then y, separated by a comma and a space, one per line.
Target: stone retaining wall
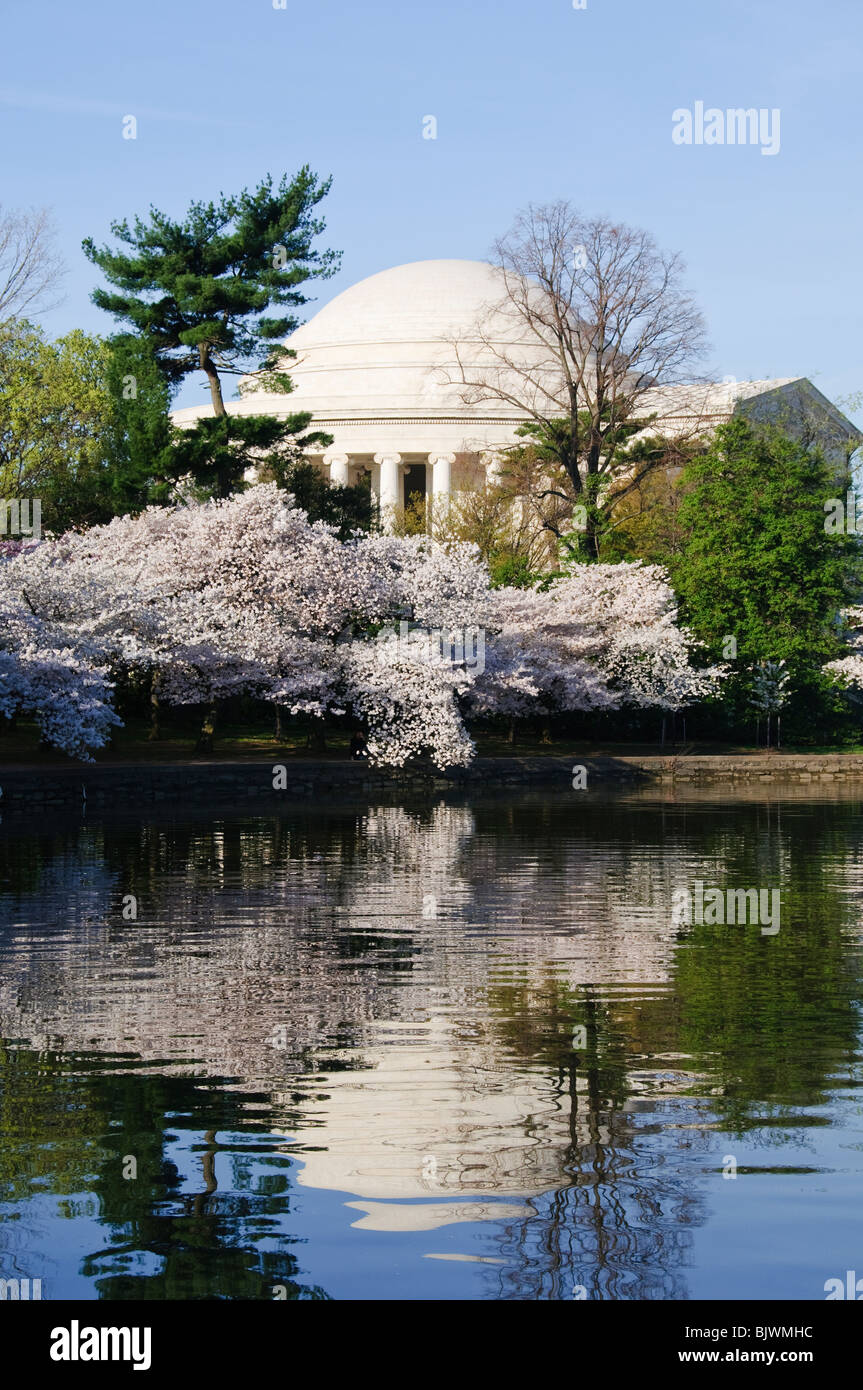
769, 767
227, 783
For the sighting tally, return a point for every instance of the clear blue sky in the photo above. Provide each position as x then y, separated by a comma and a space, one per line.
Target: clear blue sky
534, 101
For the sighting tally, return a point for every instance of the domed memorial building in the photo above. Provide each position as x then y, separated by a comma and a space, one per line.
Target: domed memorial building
389, 369
375, 368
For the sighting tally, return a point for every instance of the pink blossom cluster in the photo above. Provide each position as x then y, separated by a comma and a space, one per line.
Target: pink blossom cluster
247, 596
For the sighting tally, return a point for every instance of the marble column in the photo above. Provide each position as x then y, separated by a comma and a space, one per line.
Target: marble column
442, 477
388, 488
441, 465
338, 466
493, 469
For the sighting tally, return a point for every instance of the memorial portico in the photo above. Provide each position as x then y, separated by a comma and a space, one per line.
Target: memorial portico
381, 369
396, 479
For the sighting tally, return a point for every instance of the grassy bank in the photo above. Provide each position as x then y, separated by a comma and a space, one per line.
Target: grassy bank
177, 744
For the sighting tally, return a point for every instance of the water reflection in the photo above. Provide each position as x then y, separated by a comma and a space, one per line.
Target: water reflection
467, 1032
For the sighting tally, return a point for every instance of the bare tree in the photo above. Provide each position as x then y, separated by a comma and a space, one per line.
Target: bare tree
592, 318
30, 268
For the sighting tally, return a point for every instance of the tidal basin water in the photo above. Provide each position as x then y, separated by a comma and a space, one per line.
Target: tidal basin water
444, 1049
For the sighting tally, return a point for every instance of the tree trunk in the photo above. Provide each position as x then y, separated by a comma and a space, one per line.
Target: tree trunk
317, 740
510, 737
224, 477
208, 1164
208, 730
155, 732
212, 380
278, 732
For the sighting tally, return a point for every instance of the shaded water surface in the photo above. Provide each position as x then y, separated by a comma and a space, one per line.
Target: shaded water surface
463, 1049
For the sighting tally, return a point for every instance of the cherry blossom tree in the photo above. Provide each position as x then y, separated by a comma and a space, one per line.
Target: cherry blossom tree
44, 677
646, 655
598, 638
246, 596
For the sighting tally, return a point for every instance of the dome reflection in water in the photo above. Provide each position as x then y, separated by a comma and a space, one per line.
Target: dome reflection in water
454, 1048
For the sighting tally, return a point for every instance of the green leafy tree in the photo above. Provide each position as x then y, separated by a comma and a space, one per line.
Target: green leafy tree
54, 410
138, 450
198, 291
759, 578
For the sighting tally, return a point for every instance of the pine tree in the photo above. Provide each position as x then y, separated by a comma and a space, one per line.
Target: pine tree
349, 508
197, 291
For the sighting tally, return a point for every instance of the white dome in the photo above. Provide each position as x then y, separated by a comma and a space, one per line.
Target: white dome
376, 366
383, 348
422, 302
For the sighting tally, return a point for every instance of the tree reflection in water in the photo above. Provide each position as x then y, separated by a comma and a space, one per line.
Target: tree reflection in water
391, 994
